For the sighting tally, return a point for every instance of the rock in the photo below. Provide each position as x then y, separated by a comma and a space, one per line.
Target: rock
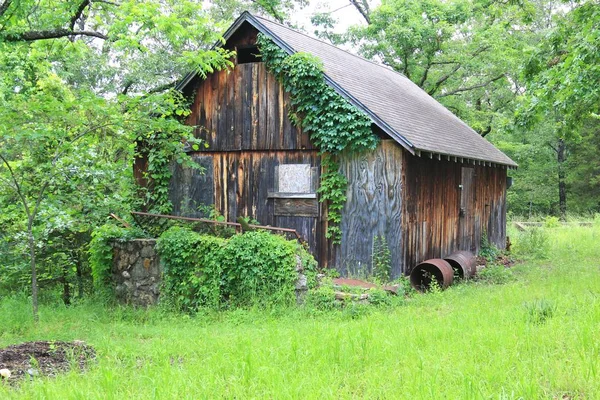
126, 275
33, 372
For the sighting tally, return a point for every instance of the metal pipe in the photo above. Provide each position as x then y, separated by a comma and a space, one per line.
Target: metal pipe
211, 221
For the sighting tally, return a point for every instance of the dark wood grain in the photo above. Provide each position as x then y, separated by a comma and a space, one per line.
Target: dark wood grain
373, 208
297, 207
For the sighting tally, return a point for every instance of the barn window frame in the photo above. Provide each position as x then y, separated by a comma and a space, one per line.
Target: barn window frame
287, 171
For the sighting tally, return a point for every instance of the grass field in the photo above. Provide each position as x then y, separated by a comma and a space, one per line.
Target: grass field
537, 336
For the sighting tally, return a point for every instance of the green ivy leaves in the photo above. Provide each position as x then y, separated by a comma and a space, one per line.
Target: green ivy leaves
334, 125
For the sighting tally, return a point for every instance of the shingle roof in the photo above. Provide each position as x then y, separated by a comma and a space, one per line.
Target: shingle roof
397, 105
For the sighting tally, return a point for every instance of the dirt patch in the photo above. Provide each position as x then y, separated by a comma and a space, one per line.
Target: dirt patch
31, 359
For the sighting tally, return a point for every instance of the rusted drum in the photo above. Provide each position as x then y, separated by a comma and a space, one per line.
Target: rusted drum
463, 263
436, 268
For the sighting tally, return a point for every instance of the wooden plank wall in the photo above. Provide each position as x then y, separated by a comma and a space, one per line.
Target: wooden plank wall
373, 208
242, 114
244, 109
431, 219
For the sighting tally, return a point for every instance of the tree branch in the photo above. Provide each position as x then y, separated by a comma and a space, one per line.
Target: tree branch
363, 9
443, 79
424, 77
17, 187
82, 6
466, 89
31, 36
4, 6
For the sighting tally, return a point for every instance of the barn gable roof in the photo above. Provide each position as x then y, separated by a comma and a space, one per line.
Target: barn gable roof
393, 102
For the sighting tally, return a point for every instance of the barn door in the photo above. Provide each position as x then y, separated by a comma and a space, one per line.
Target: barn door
467, 205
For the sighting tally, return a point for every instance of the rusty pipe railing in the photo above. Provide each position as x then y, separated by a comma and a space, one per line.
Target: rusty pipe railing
238, 226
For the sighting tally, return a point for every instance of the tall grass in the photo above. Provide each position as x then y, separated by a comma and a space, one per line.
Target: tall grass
534, 337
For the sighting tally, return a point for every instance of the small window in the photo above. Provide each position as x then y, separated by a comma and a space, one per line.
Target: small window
295, 178
295, 181
249, 54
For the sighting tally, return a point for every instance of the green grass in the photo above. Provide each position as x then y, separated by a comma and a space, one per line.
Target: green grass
537, 336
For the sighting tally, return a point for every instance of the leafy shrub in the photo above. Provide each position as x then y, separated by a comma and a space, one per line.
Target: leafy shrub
101, 252
533, 244
252, 268
258, 266
379, 297
321, 298
191, 272
551, 222
487, 249
495, 274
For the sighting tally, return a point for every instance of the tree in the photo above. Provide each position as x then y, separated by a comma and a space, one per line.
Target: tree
465, 53
563, 76
80, 79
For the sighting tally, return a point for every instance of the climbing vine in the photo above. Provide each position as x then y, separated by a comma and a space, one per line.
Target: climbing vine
167, 141
334, 125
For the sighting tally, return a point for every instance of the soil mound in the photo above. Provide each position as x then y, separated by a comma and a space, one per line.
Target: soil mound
31, 359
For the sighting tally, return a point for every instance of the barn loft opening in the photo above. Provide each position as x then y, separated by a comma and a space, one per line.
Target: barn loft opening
248, 54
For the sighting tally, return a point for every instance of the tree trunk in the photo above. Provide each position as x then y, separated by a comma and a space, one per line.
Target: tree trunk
79, 274
66, 287
562, 186
34, 285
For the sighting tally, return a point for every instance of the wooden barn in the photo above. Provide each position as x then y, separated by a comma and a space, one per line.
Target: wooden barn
431, 187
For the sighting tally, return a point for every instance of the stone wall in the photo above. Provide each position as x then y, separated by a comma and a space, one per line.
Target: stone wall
136, 272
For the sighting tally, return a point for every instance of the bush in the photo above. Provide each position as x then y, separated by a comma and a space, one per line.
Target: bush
191, 274
551, 222
248, 269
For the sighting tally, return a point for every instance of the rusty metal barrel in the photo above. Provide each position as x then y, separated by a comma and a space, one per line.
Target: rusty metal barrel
426, 272
463, 263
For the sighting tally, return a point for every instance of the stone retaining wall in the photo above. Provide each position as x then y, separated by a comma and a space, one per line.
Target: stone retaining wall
136, 272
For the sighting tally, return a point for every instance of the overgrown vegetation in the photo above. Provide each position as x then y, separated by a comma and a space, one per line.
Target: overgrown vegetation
370, 352
101, 253
334, 125
255, 268
382, 261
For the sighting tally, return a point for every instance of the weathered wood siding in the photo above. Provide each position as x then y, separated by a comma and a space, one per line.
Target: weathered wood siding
244, 109
373, 208
242, 115
435, 191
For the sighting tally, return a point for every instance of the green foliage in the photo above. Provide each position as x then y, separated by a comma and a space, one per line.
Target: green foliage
322, 299
495, 274
532, 244
101, 253
333, 191
382, 261
379, 297
192, 273
72, 75
539, 311
551, 222
487, 249
334, 125
255, 268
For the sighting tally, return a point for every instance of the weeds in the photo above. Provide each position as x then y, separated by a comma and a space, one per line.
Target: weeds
539, 311
495, 274
467, 342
